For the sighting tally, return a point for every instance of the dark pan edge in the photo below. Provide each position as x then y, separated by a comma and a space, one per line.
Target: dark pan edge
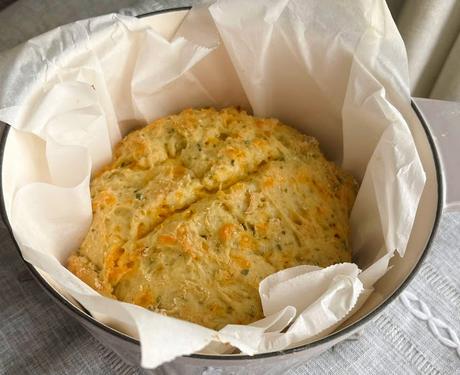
73, 310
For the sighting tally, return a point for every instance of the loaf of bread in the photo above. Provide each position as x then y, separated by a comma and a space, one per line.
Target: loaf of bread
197, 208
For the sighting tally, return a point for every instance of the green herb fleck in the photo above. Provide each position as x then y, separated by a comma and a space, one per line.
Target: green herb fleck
278, 246
139, 196
244, 272
232, 162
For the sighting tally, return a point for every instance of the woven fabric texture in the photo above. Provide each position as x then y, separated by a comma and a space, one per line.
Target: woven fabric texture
417, 334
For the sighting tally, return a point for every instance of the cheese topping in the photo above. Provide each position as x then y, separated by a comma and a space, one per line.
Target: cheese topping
197, 208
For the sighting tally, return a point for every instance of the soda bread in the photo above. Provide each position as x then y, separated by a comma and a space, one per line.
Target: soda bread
197, 208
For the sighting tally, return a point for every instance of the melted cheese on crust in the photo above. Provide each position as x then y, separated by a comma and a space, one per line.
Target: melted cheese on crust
197, 208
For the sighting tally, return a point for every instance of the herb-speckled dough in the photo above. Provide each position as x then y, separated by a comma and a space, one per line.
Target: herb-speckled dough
197, 208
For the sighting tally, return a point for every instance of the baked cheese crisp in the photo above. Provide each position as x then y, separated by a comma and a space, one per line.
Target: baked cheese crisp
197, 208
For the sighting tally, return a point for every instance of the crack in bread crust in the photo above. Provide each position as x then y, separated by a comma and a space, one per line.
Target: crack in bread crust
197, 208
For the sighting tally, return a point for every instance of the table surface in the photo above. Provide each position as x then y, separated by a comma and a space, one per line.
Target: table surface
417, 334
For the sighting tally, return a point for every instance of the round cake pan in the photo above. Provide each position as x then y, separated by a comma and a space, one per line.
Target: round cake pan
432, 204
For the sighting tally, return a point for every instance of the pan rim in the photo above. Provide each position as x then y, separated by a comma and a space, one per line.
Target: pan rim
73, 310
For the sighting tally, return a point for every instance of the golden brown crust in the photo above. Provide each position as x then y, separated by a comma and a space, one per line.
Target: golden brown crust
197, 208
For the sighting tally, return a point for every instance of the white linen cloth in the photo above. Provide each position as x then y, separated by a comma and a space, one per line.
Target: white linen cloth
444, 289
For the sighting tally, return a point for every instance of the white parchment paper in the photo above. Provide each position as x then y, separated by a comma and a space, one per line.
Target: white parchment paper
335, 70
